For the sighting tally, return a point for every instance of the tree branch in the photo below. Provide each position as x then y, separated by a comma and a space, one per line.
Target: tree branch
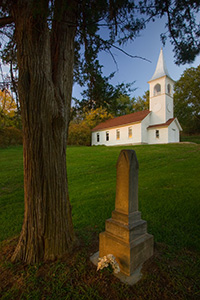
6, 21
170, 24
132, 56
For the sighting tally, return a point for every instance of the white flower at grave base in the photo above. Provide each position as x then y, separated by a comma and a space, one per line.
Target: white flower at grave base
107, 261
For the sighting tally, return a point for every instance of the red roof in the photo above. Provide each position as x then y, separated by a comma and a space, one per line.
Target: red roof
163, 124
122, 120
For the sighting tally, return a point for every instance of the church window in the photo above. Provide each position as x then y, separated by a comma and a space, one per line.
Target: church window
107, 135
118, 134
98, 137
157, 89
157, 134
130, 132
169, 89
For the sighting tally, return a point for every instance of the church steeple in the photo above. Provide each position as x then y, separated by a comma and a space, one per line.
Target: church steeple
161, 69
161, 93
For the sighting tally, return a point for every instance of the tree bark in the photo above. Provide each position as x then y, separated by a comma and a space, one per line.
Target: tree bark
45, 60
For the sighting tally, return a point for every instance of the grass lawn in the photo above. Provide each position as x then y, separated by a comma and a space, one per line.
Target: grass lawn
169, 200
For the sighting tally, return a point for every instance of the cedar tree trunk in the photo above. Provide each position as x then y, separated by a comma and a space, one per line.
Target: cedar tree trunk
45, 60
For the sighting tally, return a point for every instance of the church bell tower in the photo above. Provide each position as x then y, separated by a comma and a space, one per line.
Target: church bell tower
161, 93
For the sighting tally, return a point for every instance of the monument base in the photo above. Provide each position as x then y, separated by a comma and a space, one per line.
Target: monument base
128, 255
130, 280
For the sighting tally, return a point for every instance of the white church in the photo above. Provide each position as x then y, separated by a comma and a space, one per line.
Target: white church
154, 126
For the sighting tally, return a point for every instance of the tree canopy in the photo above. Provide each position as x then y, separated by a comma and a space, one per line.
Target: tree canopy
187, 100
121, 20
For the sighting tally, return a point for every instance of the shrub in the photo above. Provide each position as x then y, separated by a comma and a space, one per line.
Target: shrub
10, 136
79, 134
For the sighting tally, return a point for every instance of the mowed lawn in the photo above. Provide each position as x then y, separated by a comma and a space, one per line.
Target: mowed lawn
169, 199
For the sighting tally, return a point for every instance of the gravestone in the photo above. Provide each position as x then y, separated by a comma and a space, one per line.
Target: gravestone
125, 233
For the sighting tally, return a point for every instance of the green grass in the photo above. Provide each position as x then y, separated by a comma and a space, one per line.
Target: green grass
168, 189
169, 192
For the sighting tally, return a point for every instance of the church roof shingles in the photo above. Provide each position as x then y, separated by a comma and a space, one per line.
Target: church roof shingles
163, 124
122, 120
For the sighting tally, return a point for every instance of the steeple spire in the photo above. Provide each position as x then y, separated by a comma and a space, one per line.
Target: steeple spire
161, 69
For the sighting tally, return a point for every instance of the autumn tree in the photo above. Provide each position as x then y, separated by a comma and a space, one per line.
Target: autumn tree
80, 130
48, 35
7, 108
187, 100
79, 134
96, 116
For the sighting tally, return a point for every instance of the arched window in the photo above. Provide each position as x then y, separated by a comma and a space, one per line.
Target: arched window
118, 134
107, 136
169, 89
157, 89
130, 132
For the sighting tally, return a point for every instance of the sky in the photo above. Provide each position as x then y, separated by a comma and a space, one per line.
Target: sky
147, 45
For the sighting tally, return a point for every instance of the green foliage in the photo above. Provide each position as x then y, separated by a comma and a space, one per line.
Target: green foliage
124, 105
100, 93
182, 23
187, 100
142, 103
121, 104
123, 21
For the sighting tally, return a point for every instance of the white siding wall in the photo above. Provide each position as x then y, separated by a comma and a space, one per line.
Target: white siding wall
140, 134
124, 139
174, 133
144, 124
163, 135
170, 134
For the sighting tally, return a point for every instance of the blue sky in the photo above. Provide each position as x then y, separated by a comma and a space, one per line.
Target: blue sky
147, 45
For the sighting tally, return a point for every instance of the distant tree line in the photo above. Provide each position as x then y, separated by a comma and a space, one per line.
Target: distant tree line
106, 101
